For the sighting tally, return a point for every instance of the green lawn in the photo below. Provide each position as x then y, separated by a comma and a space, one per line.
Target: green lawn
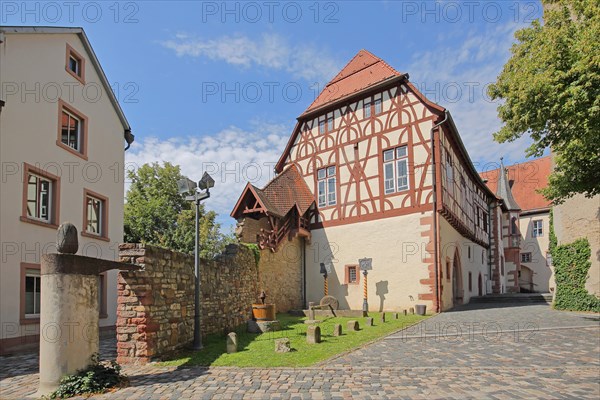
258, 350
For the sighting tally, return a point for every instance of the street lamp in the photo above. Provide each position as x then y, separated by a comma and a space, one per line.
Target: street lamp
201, 191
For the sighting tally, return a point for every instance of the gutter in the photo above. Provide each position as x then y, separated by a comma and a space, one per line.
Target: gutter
435, 218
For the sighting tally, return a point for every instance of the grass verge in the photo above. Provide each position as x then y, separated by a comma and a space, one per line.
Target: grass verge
258, 350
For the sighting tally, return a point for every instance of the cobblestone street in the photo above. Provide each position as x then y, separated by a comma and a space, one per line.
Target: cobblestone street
478, 352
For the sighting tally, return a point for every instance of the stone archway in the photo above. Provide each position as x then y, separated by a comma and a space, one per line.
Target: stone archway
457, 281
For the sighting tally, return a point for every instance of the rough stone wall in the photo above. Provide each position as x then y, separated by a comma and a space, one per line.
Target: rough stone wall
155, 306
280, 275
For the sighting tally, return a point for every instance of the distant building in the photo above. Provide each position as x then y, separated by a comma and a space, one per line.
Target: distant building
62, 150
524, 180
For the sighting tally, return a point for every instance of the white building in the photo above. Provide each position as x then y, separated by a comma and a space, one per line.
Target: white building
62, 139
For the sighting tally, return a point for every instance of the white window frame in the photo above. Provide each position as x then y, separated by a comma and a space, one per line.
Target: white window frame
38, 205
37, 282
537, 231
326, 186
77, 147
377, 106
100, 216
329, 122
77, 65
392, 160
322, 126
367, 108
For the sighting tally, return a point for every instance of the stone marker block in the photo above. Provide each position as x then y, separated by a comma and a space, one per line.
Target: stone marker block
382, 317
369, 321
263, 326
352, 325
282, 345
311, 321
395, 315
313, 334
232, 343
405, 312
412, 310
337, 330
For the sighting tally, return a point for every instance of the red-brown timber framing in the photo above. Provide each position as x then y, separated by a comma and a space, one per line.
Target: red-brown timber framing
315, 150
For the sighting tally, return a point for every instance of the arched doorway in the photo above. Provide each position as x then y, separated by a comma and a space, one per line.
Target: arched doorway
480, 285
457, 282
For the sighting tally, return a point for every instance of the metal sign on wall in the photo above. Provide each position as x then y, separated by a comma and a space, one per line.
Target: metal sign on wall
365, 264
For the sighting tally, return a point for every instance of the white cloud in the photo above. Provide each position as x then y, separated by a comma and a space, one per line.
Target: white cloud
270, 51
233, 157
456, 75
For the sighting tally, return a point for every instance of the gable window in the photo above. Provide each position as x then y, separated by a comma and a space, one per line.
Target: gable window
367, 108
525, 257
95, 215
326, 186
330, 123
352, 275
538, 228
449, 173
40, 196
377, 106
75, 64
72, 131
321, 126
395, 170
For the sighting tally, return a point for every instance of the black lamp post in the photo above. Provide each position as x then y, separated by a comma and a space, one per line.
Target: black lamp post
201, 191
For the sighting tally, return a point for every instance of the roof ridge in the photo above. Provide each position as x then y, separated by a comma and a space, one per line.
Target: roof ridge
516, 164
334, 80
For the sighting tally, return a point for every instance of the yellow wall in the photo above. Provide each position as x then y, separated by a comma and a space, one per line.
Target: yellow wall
397, 249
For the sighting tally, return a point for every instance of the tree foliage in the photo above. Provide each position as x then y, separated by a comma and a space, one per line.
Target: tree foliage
155, 213
550, 89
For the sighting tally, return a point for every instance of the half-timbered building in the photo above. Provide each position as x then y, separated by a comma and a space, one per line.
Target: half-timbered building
373, 169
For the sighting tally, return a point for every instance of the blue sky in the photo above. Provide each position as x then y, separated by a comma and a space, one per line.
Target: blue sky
218, 85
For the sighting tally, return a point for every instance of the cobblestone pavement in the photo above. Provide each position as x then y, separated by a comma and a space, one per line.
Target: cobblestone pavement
478, 352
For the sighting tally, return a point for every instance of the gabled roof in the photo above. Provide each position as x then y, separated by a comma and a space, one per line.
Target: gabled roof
362, 72
283, 193
88, 47
524, 180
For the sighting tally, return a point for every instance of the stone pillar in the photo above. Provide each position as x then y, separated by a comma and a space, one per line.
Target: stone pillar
69, 318
69, 326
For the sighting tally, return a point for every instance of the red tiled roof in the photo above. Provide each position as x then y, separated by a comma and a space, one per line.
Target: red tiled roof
288, 189
525, 179
279, 196
363, 71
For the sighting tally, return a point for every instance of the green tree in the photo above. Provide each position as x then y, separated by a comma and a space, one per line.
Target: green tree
155, 213
550, 89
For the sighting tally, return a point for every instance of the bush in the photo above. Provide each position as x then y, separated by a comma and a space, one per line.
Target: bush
96, 378
571, 266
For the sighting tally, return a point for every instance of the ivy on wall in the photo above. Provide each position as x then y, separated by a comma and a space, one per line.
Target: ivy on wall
255, 250
571, 265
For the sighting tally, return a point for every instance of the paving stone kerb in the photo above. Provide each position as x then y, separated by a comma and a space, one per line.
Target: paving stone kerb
155, 306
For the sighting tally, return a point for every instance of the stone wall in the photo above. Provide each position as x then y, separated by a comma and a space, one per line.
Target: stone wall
155, 307
280, 275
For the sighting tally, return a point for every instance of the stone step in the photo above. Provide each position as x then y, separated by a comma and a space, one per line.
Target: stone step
513, 298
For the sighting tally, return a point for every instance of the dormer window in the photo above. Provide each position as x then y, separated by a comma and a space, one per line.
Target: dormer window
75, 64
